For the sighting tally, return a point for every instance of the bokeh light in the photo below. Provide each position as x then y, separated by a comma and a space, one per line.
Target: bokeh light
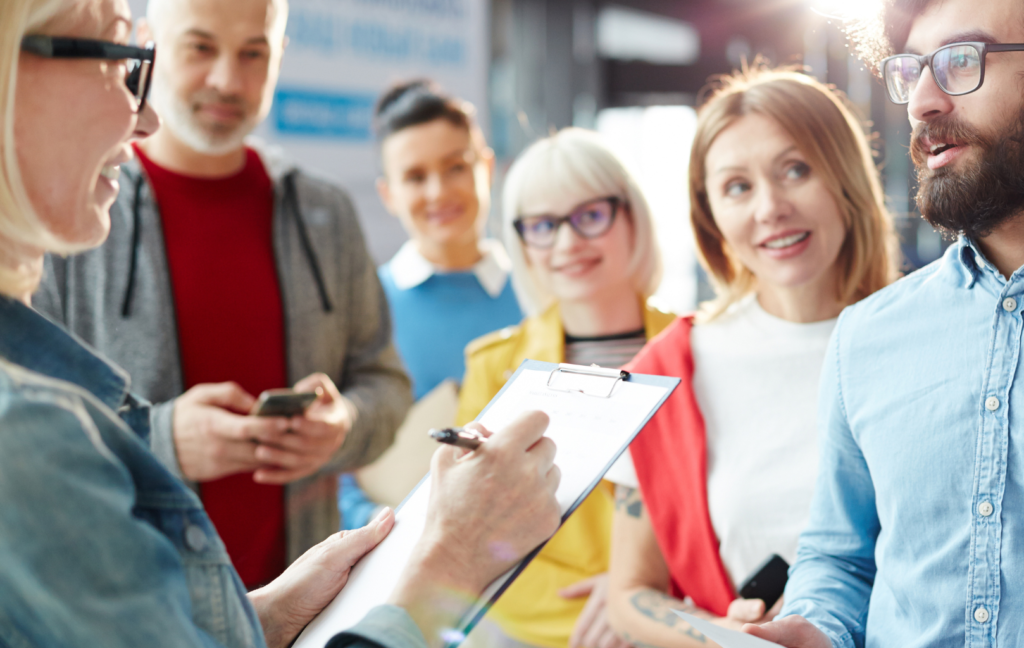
847, 10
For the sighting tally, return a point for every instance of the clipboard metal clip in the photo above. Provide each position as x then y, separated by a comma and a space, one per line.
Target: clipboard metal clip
615, 375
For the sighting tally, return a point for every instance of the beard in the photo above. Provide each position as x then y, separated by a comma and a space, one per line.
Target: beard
179, 115
982, 194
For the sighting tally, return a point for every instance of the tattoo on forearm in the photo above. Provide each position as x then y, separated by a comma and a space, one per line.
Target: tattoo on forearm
636, 643
658, 607
628, 499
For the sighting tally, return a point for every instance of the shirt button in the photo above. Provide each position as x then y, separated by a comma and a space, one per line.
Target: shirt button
1010, 304
980, 614
991, 403
195, 538
986, 509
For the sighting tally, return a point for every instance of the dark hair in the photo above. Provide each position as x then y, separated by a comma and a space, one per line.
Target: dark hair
885, 33
418, 102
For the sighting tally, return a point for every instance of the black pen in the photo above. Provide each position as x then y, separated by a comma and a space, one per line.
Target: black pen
458, 437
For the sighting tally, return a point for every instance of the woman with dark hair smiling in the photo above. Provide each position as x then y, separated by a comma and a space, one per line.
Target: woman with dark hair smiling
447, 285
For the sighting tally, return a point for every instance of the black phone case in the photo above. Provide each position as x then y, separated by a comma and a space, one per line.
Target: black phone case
286, 404
767, 582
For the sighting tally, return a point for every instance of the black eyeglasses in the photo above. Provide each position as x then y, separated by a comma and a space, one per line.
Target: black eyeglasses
140, 59
958, 69
590, 220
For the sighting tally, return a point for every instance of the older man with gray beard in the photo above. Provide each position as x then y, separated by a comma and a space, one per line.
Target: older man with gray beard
229, 272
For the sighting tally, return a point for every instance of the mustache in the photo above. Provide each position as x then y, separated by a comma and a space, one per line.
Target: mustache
945, 129
212, 96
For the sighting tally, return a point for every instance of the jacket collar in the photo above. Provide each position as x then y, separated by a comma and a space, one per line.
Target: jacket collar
37, 344
545, 336
409, 268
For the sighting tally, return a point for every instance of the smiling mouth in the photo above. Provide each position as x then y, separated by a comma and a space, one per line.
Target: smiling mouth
786, 241
938, 149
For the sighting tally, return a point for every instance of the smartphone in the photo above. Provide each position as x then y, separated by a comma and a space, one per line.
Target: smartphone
284, 402
767, 582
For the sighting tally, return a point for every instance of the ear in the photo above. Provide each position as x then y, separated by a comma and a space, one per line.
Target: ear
143, 31
384, 191
487, 157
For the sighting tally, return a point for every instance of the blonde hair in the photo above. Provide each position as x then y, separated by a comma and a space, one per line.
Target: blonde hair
21, 230
829, 134
574, 162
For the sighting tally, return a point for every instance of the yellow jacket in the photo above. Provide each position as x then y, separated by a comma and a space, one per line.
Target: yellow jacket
531, 611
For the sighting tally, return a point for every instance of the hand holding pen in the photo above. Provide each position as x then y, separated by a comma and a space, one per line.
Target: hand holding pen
458, 437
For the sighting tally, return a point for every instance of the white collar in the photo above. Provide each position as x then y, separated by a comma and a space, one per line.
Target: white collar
409, 269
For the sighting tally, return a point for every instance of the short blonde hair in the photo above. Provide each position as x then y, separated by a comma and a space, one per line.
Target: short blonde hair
828, 133
20, 227
575, 162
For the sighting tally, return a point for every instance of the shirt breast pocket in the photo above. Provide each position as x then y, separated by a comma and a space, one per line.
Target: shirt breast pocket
219, 603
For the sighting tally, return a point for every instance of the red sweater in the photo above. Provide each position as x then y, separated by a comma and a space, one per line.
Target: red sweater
670, 456
218, 234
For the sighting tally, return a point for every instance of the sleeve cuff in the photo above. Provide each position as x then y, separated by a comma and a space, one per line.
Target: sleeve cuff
161, 439
385, 626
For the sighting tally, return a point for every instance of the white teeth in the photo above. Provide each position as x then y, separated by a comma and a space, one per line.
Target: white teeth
780, 243
111, 172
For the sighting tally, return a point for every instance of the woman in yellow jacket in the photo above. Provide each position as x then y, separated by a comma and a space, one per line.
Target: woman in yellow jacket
584, 258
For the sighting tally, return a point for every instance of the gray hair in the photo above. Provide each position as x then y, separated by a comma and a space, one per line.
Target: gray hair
574, 162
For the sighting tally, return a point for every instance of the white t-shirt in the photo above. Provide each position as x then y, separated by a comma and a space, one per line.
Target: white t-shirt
756, 383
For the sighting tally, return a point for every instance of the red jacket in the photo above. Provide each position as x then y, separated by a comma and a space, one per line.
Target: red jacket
670, 456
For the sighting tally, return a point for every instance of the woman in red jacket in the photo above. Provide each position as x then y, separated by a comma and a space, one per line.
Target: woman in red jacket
788, 215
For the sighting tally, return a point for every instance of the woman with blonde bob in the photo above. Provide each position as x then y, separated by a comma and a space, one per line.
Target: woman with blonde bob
584, 258
790, 224
100, 544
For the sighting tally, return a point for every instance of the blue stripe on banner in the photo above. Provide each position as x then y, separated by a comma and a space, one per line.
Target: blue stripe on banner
321, 113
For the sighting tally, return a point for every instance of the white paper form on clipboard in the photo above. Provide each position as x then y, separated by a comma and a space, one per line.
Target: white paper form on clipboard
594, 415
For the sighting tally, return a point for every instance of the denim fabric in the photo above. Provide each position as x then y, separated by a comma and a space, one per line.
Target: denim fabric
916, 535
99, 544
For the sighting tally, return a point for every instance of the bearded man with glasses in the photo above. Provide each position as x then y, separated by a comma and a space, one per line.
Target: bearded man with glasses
916, 536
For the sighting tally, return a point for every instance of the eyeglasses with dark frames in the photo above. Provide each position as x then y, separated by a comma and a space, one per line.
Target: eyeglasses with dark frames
140, 59
590, 220
958, 68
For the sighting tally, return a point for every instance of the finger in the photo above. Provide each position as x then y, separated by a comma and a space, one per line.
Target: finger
312, 427
345, 548
282, 458
609, 640
582, 627
280, 476
543, 452
237, 456
251, 428
479, 429
792, 631
597, 628
228, 395
522, 433
579, 588
296, 443
747, 610
553, 479
320, 383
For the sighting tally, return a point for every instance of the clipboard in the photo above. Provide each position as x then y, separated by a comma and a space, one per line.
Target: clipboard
595, 414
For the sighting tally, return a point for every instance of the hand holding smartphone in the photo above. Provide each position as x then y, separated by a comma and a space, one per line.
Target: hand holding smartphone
767, 582
284, 402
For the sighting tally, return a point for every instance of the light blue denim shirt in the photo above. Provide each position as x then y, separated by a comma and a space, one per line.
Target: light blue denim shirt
916, 535
99, 544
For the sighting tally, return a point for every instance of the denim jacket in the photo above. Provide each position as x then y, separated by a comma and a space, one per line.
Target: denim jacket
100, 545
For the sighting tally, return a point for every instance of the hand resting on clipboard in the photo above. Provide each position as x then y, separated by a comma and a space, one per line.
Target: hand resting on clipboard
593, 413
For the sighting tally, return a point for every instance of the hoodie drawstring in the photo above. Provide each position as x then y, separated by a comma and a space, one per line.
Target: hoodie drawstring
126, 303
291, 200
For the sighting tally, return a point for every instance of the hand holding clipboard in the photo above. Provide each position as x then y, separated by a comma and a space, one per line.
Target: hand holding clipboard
594, 414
